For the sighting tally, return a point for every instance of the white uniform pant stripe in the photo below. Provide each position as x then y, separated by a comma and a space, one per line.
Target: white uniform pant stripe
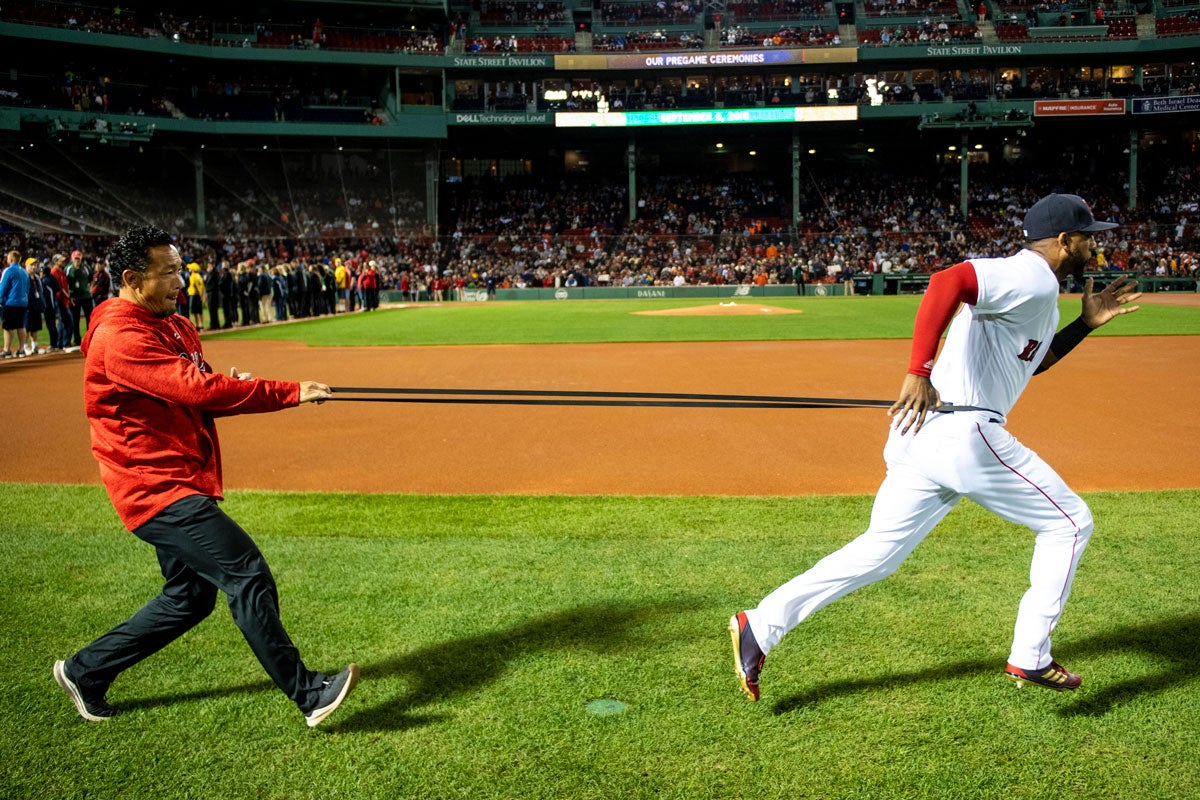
1063, 524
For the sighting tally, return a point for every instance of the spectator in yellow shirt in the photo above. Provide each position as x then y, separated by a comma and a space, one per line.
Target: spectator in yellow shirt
195, 290
340, 278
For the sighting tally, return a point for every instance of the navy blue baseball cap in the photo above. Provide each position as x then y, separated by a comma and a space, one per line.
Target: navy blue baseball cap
1061, 213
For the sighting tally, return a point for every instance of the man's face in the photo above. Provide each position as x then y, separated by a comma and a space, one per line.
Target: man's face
158, 288
1080, 247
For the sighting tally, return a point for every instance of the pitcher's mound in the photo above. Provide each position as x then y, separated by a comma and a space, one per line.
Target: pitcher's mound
722, 310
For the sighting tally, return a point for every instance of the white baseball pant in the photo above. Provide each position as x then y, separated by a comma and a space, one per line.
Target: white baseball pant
955, 455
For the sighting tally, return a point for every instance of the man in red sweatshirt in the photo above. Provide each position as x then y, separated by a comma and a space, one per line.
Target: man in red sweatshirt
151, 400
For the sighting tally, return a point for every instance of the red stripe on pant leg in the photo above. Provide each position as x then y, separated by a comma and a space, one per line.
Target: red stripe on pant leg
1074, 543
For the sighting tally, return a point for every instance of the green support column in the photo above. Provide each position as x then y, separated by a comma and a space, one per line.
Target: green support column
431, 188
962, 178
631, 169
795, 181
1133, 171
201, 220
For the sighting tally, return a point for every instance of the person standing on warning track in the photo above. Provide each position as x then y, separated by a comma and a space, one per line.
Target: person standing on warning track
151, 401
948, 440
196, 295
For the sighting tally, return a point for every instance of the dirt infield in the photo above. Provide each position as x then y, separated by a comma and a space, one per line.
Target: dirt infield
1121, 413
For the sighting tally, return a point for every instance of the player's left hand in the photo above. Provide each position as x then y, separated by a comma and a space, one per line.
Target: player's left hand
1115, 299
241, 376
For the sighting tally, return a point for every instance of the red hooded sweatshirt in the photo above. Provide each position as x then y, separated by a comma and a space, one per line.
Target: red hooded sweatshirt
150, 399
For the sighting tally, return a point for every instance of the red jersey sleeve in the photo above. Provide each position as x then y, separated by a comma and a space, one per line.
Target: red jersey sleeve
947, 289
159, 370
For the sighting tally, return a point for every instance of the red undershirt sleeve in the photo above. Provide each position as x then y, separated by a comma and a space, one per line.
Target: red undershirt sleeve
947, 289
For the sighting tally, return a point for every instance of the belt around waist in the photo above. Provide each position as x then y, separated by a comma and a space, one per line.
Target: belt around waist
950, 408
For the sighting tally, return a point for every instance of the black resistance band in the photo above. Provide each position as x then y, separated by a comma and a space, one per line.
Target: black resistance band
534, 397
529, 397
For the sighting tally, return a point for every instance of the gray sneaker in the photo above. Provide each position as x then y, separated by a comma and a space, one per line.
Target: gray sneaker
334, 692
92, 707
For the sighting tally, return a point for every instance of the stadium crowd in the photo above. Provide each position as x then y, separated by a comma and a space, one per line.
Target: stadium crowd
152, 22
527, 232
189, 92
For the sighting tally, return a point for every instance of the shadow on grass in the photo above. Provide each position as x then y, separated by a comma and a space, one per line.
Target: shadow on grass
1173, 644
206, 694
446, 669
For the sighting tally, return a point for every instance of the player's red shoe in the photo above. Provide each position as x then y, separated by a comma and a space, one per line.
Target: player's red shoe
1052, 677
748, 657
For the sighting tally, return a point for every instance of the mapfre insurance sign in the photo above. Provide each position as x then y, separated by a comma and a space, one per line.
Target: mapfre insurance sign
1075, 108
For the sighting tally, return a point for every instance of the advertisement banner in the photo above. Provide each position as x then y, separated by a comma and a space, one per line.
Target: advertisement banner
499, 118
734, 116
1166, 105
504, 61
1071, 108
956, 50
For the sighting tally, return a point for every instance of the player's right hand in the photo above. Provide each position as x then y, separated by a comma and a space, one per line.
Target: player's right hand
917, 399
313, 392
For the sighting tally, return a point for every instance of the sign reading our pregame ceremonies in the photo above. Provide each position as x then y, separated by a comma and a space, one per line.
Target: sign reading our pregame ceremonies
693, 58
1071, 108
1166, 105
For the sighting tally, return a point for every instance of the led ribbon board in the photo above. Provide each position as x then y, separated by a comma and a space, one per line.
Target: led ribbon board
736, 116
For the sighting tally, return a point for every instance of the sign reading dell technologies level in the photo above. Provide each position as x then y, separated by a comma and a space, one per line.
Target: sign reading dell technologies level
738, 116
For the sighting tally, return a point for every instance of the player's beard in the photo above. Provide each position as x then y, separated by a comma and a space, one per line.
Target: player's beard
1078, 262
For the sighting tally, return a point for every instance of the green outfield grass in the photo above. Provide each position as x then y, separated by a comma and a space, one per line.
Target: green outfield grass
615, 321
485, 625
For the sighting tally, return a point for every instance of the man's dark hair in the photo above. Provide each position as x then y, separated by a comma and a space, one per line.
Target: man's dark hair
132, 251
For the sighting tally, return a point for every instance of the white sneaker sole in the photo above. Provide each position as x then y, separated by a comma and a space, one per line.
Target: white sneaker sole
60, 675
317, 716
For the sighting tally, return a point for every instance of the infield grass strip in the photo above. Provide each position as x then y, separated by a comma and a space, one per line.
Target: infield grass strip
485, 625
615, 321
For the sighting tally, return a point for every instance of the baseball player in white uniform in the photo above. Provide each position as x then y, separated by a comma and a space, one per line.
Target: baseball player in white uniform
948, 439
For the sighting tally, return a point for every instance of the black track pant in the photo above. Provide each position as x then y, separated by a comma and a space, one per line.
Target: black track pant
201, 550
